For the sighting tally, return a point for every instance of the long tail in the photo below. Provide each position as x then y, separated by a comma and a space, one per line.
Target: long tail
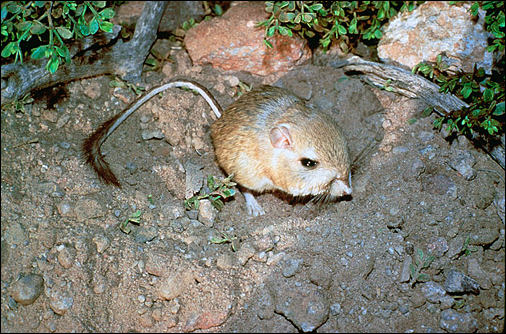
91, 146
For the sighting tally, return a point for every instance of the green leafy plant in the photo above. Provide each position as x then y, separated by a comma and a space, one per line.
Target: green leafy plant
225, 238
45, 27
494, 21
216, 192
150, 199
19, 105
188, 24
117, 82
242, 88
483, 93
346, 22
466, 249
134, 218
421, 261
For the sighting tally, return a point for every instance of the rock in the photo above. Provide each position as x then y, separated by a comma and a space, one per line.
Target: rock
305, 305
145, 234
463, 162
484, 236
207, 213
234, 42
291, 266
475, 271
194, 177
320, 274
406, 271
27, 289
457, 282
335, 309
425, 136
101, 242
246, 252
60, 301
225, 261
158, 264
437, 246
455, 322
433, 291
152, 134
439, 184
433, 28
265, 304
499, 204
174, 285
400, 150
171, 210
66, 256
64, 209
205, 320
87, 209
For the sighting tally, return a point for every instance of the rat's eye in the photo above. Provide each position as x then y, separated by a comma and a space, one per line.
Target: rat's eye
308, 163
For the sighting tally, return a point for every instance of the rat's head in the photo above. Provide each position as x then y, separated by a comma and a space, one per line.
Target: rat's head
311, 158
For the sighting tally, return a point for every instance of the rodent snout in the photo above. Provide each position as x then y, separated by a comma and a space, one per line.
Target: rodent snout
341, 187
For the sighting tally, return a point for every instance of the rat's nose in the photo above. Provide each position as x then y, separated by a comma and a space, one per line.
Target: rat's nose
341, 187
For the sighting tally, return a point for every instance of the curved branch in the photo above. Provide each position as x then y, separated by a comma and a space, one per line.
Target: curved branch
411, 85
91, 56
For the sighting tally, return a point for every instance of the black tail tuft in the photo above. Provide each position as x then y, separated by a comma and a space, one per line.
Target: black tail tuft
93, 156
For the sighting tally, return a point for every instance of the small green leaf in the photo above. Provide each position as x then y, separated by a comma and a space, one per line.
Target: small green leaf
40, 52
13, 7
499, 109
307, 17
24, 25
218, 10
64, 32
412, 269
9, 49
427, 111
106, 26
285, 31
488, 95
136, 214
271, 31
316, 7
4, 13
474, 8
83, 29
37, 28
99, 4
341, 29
52, 64
107, 13
93, 26
466, 91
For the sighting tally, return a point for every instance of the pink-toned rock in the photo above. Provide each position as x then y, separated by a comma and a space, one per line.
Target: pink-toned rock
206, 320
233, 42
435, 27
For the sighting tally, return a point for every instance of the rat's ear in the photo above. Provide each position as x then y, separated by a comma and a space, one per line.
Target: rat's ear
280, 137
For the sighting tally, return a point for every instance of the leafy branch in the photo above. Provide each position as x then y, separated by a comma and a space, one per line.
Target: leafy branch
346, 22
51, 22
216, 192
421, 261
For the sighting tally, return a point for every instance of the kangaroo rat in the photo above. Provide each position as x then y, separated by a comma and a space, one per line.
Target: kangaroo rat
268, 138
